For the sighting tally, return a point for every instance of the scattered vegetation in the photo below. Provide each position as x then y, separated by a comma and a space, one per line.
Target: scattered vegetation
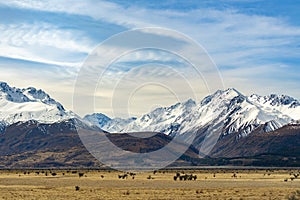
194, 187
123, 176
77, 188
184, 177
150, 177
199, 192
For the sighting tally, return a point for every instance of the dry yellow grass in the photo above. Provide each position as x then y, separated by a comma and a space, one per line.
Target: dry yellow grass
248, 185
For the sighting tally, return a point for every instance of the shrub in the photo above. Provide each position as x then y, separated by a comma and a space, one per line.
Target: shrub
77, 188
150, 177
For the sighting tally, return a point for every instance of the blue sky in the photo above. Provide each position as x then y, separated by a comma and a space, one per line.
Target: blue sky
254, 43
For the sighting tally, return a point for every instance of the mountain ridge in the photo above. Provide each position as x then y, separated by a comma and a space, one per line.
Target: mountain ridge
242, 113
227, 115
29, 104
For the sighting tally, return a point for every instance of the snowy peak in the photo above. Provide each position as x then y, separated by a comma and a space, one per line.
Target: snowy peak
276, 100
104, 122
230, 93
12, 94
39, 95
221, 95
98, 119
282, 103
235, 111
166, 120
29, 94
29, 104
238, 113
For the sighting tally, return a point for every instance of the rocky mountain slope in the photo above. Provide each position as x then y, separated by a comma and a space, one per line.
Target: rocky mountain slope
39, 145
283, 141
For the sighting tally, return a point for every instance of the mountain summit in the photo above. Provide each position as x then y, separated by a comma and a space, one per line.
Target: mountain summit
29, 104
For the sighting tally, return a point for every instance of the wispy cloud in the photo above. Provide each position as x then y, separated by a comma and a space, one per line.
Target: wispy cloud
218, 30
43, 43
247, 46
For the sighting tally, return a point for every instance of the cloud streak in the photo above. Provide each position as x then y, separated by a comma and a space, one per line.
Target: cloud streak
43, 43
228, 29
249, 48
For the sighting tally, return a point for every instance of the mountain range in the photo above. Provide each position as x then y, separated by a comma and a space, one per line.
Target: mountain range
36, 130
236, 112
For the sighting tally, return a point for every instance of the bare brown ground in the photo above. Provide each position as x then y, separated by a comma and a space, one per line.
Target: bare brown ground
249, 184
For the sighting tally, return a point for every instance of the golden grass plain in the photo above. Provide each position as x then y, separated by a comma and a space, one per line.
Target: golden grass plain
210, 184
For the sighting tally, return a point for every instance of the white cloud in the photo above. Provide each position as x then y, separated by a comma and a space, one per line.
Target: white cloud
43, 43
96, 9
218, 31
247, 43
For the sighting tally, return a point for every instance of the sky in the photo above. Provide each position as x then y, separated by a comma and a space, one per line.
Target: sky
252, 45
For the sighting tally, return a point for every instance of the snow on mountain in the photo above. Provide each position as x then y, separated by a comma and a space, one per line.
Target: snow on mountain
282, 103
111, 125
118, 124
168, 120
29, 104
97, 119
234, 111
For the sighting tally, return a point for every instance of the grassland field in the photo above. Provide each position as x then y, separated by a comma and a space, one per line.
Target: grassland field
105, 184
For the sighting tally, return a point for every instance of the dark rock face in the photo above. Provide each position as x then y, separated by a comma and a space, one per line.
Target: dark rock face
283, 142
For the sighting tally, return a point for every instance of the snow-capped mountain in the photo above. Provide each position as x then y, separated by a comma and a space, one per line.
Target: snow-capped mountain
282, 103
239, 114
29, 104
228, 109
34, 117
167, 120
236, 113
102, 121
